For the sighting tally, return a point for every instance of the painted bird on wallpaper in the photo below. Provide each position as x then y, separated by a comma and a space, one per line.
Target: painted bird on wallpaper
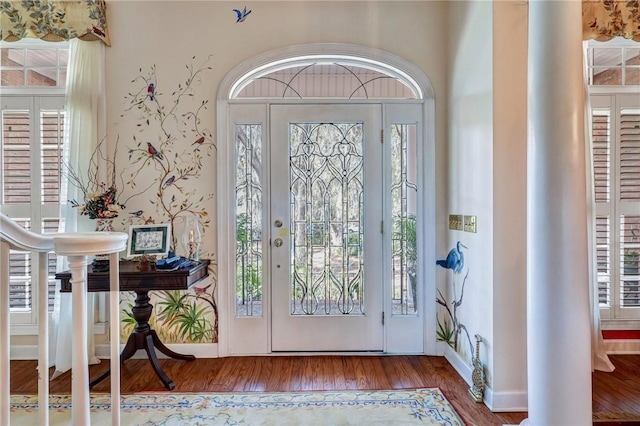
137, 213
169, 181
454, 260
199, 141
151, 91
242, 14
153, 151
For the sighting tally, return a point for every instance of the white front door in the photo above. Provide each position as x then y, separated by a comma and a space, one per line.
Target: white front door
325, 233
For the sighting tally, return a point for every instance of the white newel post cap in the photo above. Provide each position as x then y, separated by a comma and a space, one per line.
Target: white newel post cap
89, 243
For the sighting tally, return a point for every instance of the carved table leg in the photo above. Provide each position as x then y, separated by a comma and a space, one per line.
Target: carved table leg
144, 337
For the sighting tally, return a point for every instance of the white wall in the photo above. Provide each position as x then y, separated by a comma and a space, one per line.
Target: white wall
487, 162
510, 205
470, 179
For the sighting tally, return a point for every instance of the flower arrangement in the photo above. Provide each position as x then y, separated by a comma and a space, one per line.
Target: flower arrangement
99, 205
99, 199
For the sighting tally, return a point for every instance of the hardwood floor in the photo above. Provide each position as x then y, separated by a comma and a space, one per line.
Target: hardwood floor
615, 392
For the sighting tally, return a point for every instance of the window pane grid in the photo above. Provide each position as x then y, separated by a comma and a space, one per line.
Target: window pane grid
29, 67
614, 66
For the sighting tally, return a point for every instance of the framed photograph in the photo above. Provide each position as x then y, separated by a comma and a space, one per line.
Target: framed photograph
149, 240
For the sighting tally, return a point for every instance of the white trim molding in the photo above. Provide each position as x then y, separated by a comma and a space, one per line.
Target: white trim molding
511, 401
622, 346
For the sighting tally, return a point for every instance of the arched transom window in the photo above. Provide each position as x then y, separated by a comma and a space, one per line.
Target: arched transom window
326, 77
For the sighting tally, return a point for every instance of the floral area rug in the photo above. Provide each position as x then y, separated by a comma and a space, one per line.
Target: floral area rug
402, 407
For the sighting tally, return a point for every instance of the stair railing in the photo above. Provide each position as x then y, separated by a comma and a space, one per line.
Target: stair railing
77, 246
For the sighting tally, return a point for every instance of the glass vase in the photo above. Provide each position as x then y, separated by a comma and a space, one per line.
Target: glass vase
188, 236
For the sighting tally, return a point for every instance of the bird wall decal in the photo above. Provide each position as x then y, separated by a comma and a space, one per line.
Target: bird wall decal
454, 260
242, 14
153, 151
169, 181
151, 91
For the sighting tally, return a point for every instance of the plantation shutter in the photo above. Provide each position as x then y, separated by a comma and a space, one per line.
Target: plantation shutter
629, 182
601, 138
16, 157
31, 155
629, 155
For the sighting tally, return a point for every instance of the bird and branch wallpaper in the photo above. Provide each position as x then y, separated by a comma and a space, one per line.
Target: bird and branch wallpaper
450, 329
166, 157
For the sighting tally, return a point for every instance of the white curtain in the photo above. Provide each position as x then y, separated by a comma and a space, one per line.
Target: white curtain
84, 116
599, 359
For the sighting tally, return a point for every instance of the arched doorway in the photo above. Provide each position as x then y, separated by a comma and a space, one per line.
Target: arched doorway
325, 203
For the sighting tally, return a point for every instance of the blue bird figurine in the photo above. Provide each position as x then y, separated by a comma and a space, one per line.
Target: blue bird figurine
454, 260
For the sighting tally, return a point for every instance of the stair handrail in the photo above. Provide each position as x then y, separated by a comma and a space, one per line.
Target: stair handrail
76, 246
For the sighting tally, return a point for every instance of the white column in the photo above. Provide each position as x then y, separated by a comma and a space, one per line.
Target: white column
558, 330
80, 360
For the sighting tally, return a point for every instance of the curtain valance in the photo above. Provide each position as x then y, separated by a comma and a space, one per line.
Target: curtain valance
605, 19
54, 20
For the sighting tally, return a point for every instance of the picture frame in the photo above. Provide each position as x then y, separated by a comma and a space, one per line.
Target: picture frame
149, 240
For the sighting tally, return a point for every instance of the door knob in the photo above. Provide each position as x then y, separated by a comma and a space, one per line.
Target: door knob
277, 242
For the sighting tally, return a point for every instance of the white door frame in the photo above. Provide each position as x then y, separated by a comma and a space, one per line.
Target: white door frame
257, 330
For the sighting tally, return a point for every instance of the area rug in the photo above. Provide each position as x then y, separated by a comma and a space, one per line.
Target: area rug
395, 407
616, 417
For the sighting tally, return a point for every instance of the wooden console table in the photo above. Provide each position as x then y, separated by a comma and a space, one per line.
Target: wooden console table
132, 278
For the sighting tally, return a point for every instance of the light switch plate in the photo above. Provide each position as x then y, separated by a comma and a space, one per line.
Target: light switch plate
455, 222
470, 224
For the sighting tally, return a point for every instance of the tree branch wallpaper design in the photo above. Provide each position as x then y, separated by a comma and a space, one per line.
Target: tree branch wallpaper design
168, 153
450, 329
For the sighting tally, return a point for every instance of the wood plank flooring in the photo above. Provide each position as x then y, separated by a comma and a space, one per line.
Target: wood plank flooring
612, 392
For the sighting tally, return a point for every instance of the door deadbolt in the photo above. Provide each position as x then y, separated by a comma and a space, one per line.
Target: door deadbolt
278, 223
277, 242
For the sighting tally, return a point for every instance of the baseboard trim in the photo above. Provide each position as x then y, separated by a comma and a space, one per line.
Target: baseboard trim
504, 402
622, 346
199, 350
512, 401
24, 352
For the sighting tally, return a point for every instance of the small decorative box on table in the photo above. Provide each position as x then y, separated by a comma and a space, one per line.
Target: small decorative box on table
142, 281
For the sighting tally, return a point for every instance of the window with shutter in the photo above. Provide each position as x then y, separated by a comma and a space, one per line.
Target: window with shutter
616, 173
629, 164
31, 154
